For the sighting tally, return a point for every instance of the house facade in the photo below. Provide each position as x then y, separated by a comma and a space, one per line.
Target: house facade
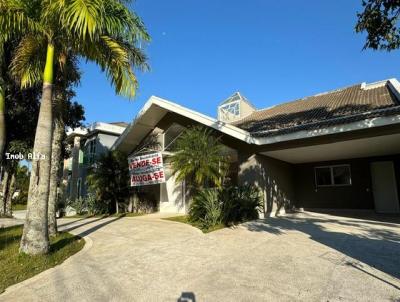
86, 145
338, 149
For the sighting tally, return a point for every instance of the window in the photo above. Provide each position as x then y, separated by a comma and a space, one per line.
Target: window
90, 152
171, 135
232, 108
92, 146
338, 175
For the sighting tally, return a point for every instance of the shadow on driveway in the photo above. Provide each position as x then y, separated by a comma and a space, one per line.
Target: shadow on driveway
377, 247
92, 229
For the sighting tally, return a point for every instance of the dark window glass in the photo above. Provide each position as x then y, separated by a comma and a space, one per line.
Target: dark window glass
341, 175
323, 176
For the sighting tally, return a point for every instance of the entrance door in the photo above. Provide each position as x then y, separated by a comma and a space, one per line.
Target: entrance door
384, 187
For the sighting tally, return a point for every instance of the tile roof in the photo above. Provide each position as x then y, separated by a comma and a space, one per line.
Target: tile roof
335, 107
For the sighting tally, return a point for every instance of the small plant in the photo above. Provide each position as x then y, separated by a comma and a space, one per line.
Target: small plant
79, 205
231, 205
206, 209
241, 203
93, 206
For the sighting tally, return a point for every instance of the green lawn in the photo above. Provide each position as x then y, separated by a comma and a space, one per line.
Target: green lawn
18, 207
185, 219
15, 267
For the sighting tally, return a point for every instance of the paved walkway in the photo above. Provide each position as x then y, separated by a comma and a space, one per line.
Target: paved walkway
307, 257
9, 222
19, 218
20, 214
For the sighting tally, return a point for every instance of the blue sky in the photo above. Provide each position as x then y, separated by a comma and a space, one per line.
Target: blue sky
271, 51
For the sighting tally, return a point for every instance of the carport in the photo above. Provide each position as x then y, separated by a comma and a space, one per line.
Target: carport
346, 172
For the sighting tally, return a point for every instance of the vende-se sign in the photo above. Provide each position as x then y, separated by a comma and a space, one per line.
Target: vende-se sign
146, 169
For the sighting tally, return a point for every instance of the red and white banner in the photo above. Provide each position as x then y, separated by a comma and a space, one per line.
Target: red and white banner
146, 169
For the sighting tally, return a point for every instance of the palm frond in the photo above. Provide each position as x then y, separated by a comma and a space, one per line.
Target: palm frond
84, 17
28, 63
15, 19
119, 21
118, 59
198, 157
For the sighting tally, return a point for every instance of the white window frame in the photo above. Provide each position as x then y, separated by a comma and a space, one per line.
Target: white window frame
224, 112
332, 177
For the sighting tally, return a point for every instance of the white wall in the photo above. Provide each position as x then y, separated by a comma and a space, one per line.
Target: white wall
172, 199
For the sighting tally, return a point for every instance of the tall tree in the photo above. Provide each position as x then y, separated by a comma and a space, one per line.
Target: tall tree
2, 101
380, 20
21, 119
67, 114
103, 31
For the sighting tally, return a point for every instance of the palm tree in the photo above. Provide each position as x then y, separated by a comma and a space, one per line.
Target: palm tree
2, 107
103, 31
13, 24
63, 111
109, 180
199, 158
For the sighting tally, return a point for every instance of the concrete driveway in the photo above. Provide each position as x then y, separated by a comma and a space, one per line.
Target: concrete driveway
306, 257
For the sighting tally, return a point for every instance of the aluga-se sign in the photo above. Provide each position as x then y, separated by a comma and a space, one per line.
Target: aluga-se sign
146, 169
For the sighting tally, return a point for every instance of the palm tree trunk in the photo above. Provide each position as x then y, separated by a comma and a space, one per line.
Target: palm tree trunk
58, 133
4, 186
2, 122
9, 195
35, 237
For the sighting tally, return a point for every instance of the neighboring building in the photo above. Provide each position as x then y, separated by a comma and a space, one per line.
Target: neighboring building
338, 149
87, 144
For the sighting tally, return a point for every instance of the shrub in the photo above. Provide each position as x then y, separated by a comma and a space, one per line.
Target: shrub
94, 207
231, 205
206, 208
241, 203
79, 205
109, 180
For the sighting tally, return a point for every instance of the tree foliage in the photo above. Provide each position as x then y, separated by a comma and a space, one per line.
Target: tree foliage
22, 107
109, 179
379, 20
23, 104
198, 157
103, 31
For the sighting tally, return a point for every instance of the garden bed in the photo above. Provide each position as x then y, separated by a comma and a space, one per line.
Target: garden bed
185, 219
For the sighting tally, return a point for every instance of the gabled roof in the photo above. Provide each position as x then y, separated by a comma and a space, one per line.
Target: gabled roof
353, 108
339, 106
237, 96
155, 109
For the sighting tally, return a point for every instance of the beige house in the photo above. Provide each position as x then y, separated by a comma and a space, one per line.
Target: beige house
338, 149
